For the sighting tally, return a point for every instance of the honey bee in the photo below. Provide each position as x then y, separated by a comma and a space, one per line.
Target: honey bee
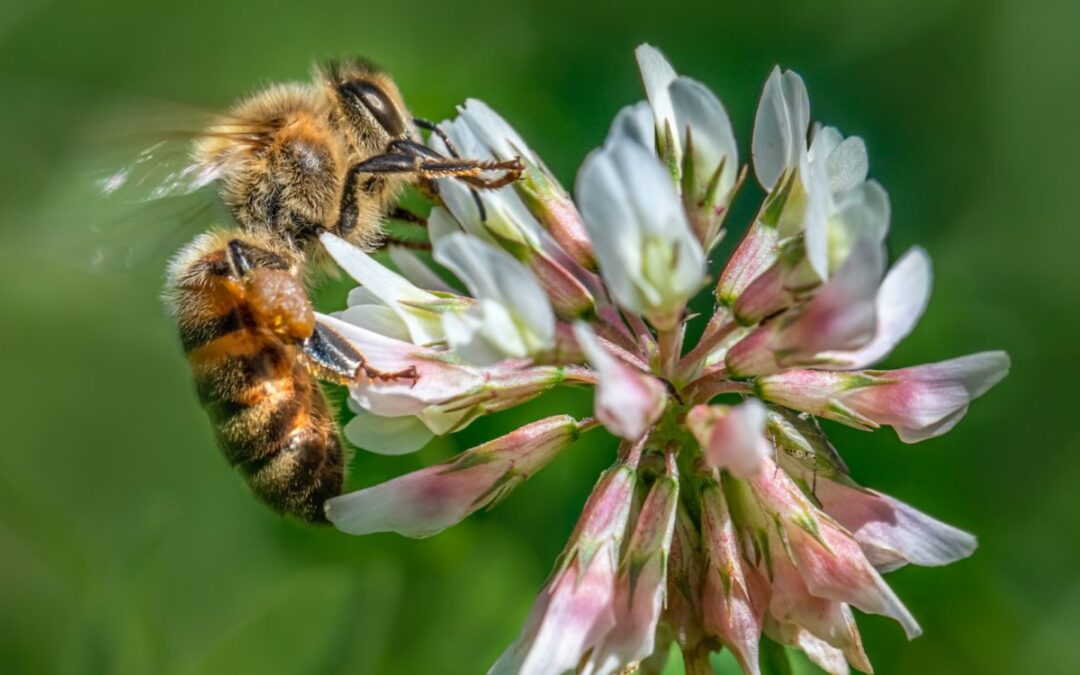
290, 162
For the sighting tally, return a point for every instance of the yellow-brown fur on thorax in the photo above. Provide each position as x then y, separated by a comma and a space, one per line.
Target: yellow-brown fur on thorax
283, 155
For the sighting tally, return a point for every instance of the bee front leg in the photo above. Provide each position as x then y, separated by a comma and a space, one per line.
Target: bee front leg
333, 358
405, 156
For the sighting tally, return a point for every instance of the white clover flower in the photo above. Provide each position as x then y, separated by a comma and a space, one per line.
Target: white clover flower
648, 256
720, 521
512, 317
820, 205
693, 134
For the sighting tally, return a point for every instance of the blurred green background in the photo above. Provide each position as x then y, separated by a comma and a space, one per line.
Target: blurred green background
127, 547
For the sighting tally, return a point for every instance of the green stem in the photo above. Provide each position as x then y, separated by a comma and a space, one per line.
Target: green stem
671, 342
697, 662
721, 325
712, 385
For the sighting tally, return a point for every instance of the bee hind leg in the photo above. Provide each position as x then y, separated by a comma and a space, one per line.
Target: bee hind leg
333, 358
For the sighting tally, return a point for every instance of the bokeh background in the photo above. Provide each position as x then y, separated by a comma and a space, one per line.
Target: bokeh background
127, 547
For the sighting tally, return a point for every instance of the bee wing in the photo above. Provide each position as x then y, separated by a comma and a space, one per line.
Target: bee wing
135, 192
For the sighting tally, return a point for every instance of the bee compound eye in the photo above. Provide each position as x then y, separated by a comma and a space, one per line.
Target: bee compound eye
376, 102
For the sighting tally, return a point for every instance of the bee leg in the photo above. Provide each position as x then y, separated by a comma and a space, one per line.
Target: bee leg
512, 168
434, 128
411, 157
244, 258
411, 244
333, 358
407, 216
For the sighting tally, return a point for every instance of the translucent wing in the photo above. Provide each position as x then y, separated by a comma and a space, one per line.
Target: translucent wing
134, 192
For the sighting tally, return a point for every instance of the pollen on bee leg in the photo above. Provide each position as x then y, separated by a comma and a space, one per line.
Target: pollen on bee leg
279, 301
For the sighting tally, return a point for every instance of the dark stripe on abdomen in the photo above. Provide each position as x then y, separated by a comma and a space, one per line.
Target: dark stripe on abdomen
239, 378
195, 335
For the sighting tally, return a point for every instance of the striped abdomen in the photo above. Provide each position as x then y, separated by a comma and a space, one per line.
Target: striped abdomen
270, 416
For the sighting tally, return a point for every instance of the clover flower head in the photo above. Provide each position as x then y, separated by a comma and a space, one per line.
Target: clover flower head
727, 517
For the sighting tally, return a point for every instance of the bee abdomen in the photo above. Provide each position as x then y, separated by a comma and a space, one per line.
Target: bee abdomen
301, 476
269, 414
272, 422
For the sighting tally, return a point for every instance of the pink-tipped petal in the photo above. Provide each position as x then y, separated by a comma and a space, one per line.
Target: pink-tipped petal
436, 380
568, 618
891, 533
797, 613
575, 610
901, 301
428, 501
752, 257
731, 437
828, 558
641, 585
727, 605
840, 316
834, 566
628, 401
685, 573
927, 401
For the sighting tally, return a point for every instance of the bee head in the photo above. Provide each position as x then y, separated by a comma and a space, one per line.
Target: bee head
367, 101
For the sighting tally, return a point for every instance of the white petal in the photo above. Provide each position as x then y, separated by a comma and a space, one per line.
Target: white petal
698, 108
847, 164
646, 250
612, 226
859, 213
516, 314
387, 435
378, 319
819, 204
663, 226
440, 224
780, 126
824, 141
494, 132
414, 269
390, 288
627, 401
361, 295
464, 334
901, 301
657, 75
636, 123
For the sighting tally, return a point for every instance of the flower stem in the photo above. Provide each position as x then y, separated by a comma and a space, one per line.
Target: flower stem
721, 325
713, 383
697, 662
579, 374
645, 338
671, 342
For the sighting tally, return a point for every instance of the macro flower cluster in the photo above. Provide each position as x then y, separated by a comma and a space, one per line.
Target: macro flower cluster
727, 516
